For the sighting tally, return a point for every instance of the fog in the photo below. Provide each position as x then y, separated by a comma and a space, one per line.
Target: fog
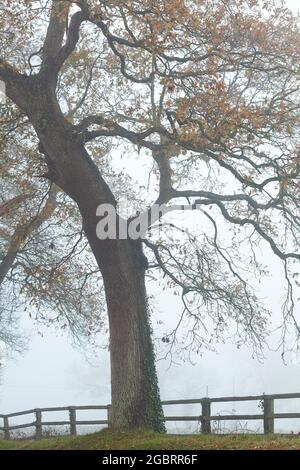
54, 373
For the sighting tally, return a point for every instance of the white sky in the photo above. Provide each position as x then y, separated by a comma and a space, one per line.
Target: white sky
52, 373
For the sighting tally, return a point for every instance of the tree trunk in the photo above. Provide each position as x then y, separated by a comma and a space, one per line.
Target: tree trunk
135, 394
134, 387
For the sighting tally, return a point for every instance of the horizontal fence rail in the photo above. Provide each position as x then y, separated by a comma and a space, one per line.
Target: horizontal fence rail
267, 416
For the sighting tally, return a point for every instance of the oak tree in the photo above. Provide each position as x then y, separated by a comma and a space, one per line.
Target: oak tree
209, 91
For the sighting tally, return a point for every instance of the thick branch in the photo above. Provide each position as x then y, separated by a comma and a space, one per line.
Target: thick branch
56, 31
112, 129
162, 159
273, 203
72, 39
7, 72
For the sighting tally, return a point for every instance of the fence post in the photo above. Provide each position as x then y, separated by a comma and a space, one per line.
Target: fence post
72, 414
6, 427
38, 424
268, 412
205, 421
109, 421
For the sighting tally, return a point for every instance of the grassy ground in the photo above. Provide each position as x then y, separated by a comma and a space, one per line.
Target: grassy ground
106, 440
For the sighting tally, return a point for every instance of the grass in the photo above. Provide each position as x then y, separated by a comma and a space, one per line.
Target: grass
107, 440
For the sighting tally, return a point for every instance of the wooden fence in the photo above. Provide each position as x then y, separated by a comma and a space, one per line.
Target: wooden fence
205, 418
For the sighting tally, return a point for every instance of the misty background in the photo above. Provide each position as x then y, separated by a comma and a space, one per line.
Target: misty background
52, 372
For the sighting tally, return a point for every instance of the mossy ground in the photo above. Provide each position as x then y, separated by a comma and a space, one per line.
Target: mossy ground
107, 440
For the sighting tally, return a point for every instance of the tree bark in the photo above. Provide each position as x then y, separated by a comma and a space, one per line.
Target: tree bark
135, 393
